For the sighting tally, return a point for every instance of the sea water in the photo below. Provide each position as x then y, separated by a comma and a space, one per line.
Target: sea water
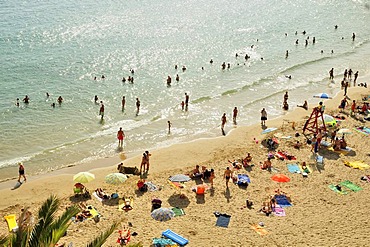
60, 46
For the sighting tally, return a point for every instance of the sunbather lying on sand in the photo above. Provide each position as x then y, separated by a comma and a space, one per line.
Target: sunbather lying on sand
100, 193
236, 164
266, 208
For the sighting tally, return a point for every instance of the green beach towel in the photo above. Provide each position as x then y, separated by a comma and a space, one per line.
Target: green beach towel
351, 186
333, 188
178, 211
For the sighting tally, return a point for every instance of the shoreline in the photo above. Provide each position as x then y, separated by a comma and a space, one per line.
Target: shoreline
135, 157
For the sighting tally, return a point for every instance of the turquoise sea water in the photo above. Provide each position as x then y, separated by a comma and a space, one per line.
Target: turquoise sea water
60, 46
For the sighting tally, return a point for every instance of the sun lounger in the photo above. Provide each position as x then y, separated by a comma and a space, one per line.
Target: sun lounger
293, 168
351, 186
334, 188
175, 237
12, 222
259, 229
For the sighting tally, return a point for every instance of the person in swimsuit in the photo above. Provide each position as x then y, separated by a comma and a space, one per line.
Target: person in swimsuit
227, 176
21, 173
120, 136
101, 111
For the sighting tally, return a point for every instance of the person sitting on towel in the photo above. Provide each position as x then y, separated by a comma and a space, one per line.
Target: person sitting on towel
196, 172
127, 206
247, 160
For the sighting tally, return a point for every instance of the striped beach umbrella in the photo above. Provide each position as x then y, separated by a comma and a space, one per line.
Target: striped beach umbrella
83, 177
115, 178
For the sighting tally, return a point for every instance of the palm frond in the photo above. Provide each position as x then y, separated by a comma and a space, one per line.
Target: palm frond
60, 226
41, 231
4, 240
100, 240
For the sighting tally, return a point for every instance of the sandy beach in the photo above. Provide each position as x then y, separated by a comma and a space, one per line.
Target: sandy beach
318, 216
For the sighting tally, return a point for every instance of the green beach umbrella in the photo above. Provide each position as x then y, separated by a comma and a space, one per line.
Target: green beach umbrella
83, 177
115, 178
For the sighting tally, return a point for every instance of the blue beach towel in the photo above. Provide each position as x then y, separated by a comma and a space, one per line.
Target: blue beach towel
282, 201
243, 179
223, 220
293, 168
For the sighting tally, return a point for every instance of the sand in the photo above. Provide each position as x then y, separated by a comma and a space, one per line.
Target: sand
318, 217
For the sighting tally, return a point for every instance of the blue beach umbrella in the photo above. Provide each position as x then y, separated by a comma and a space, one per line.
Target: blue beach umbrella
322, 96
162, 214
268, 130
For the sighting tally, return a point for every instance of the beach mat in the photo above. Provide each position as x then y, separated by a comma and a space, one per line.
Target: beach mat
162, 242
93, 211
351, 186
282, 201
364, 130
293, 168
259, 229
333, 188
223, 220
279, 211
175, 237
178, 211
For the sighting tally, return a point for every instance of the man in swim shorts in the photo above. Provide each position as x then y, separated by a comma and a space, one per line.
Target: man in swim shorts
227, 176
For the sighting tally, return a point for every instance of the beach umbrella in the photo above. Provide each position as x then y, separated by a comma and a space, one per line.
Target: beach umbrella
115, 178
83, 177
180, 178
280, 178
322, 96
268, 130
344, 131
162, 214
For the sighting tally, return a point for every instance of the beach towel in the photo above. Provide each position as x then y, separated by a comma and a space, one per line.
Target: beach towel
357, 165
279, 211
124, 205
259, 229
243, 179
282, 201
178, 211
94, 213
284, 155
162, 242
320, 159
363, 130
325, 143
175, 237
293, 168
334, 188
351, 186
12, 222
344, 151
223, 220
97, 197
151, 187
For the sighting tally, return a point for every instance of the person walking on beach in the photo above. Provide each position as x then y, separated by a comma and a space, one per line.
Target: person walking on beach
223, 122
345, 88
235, 114
123, 102
331, 74
263, 117
143, 162
147, 160
227, 176
101, 111
21, 172
137, 106
120, 136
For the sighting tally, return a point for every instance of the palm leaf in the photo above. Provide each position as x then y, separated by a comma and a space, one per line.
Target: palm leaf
100, 240
41, 231
59, 227
4, 240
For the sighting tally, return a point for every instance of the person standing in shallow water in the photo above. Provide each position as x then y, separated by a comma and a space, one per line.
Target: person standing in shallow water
263, 117
235, 114
137, 106
21, 172
123, 102
101, 111
223, 122
120, 136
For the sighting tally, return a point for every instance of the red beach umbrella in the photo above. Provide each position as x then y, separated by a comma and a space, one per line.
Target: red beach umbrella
281, 178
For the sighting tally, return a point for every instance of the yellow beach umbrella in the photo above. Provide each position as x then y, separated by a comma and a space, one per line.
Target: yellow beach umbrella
83, 177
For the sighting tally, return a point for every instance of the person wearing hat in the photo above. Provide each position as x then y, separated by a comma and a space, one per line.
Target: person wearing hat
21, 172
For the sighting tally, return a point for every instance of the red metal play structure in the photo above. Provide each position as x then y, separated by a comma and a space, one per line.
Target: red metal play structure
312, 124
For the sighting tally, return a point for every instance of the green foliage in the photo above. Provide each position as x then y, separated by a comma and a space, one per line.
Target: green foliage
100, 240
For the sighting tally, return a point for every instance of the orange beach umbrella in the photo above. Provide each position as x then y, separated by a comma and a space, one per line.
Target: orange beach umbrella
280, 178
